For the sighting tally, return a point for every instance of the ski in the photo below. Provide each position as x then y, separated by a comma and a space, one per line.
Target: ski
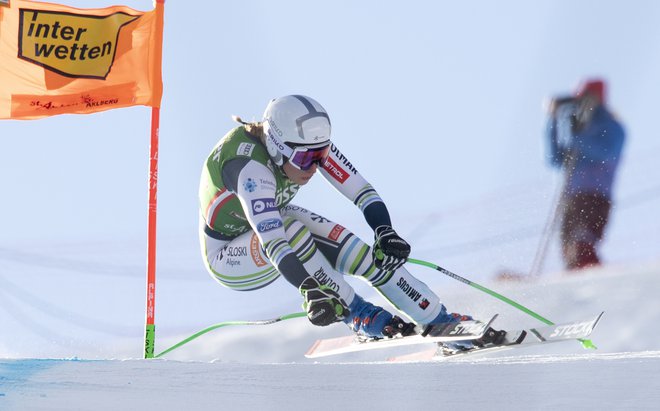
462, 330
513, 339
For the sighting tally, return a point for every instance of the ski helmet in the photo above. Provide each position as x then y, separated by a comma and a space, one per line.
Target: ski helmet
293, 121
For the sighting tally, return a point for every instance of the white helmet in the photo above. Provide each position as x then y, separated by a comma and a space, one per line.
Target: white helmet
292, 121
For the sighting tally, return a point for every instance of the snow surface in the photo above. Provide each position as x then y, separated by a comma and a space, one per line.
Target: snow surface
623, 381
262, 367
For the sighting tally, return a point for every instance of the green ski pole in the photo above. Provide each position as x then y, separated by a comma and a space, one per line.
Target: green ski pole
229, 323
585, 343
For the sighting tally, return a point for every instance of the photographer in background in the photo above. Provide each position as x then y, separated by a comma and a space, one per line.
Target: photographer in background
585, 141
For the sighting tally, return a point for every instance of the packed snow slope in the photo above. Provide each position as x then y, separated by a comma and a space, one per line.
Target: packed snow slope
262, 367
626, 381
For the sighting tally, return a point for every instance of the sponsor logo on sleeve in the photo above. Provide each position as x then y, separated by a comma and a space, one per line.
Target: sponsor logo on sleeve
245, 149
267, 183
269, 225
255, 251
250, 185
335, 232
291, 207
340, 157
319, 218
263, 205
336, 171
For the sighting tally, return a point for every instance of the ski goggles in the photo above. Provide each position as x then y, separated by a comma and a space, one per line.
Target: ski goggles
304, 157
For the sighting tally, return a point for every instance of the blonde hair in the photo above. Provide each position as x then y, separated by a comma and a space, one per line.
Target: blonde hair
255, 128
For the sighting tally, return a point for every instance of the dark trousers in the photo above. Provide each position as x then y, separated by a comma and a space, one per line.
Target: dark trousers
584, 218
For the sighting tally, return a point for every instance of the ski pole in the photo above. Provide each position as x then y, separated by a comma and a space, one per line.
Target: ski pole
585, 343
228, 323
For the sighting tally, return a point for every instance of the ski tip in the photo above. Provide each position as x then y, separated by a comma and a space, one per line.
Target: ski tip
588, 344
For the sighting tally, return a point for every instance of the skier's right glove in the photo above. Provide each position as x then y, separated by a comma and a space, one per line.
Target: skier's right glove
323, 305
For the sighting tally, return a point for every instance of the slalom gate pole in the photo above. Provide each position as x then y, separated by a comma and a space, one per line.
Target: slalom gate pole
155, 65
585, 343
229, 323
150, 327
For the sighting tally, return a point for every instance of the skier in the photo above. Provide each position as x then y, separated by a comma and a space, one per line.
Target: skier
589, 156
251, 233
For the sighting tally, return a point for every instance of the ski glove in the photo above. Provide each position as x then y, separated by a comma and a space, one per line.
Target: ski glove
323, 305
390, 251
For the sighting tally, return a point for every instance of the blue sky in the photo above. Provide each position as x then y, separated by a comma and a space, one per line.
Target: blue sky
438, 104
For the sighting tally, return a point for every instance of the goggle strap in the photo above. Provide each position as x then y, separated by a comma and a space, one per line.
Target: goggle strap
281, 147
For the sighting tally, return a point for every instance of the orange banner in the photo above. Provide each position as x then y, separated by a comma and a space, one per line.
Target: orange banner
57, 59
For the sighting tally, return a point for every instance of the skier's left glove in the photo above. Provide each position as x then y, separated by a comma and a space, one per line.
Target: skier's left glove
323, 305
390, 251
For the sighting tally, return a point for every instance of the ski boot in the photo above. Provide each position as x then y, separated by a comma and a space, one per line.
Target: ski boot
373, 322
452, 347
398, 326
491, 338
